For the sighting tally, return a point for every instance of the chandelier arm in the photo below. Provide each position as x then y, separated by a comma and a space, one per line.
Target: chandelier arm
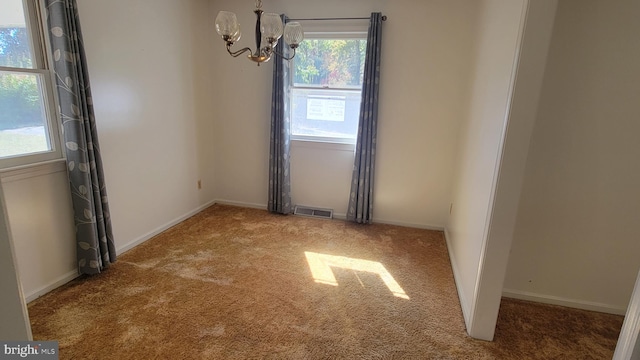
237, 53
284, 57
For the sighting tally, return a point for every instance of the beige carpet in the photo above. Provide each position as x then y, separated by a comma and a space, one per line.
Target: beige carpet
235, 283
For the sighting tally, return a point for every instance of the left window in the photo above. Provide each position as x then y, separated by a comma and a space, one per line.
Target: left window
28, 123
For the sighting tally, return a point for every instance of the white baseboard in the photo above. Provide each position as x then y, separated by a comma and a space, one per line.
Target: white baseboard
343, 216
406, 224
340, 216
464, 304
337, 216
557, 300
130, 245
61, 280
241, 204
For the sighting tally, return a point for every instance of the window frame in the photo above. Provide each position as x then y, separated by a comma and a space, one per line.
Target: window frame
39, 43
325, 35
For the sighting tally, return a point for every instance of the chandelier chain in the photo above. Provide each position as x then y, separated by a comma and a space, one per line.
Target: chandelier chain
258, 4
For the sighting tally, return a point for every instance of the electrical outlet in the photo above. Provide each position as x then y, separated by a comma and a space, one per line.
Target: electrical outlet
199, 184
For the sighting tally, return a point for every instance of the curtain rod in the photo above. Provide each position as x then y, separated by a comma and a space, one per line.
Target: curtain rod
384, 18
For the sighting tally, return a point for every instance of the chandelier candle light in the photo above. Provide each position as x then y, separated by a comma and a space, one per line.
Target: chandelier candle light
268, 29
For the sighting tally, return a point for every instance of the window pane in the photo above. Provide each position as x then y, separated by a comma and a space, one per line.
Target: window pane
325, 113
331, 63
15, 48
23, 125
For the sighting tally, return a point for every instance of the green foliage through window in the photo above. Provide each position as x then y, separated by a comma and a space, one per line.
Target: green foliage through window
332, 63
14, 48
19, 101
19, 94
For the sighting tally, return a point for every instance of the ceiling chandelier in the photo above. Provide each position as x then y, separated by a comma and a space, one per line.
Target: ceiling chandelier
268, 30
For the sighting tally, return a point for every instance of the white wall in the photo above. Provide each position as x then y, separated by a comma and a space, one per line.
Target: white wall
13, 310
522, 110
480, 147
425, 65
40, 213
149, 65
322, 175
148, 69
576, 240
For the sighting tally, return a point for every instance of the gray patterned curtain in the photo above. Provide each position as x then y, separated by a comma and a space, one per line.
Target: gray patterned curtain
361, 197
95, 246
279, 175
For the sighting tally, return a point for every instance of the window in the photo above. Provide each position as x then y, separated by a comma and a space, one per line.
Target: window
28, 129
326, 86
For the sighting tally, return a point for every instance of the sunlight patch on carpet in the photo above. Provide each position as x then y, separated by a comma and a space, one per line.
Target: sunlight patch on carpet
321, 264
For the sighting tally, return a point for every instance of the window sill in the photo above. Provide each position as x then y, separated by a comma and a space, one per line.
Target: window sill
323, 145
32, 170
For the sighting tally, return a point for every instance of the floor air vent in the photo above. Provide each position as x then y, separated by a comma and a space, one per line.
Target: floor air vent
313, 212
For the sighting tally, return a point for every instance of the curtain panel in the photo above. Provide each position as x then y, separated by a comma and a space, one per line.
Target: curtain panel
279, 174
360, 207
94, 238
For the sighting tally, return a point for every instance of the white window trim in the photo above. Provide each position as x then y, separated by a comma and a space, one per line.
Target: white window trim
39, 42
336, 35
32, 170
323, 145
323, 139
328, 35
